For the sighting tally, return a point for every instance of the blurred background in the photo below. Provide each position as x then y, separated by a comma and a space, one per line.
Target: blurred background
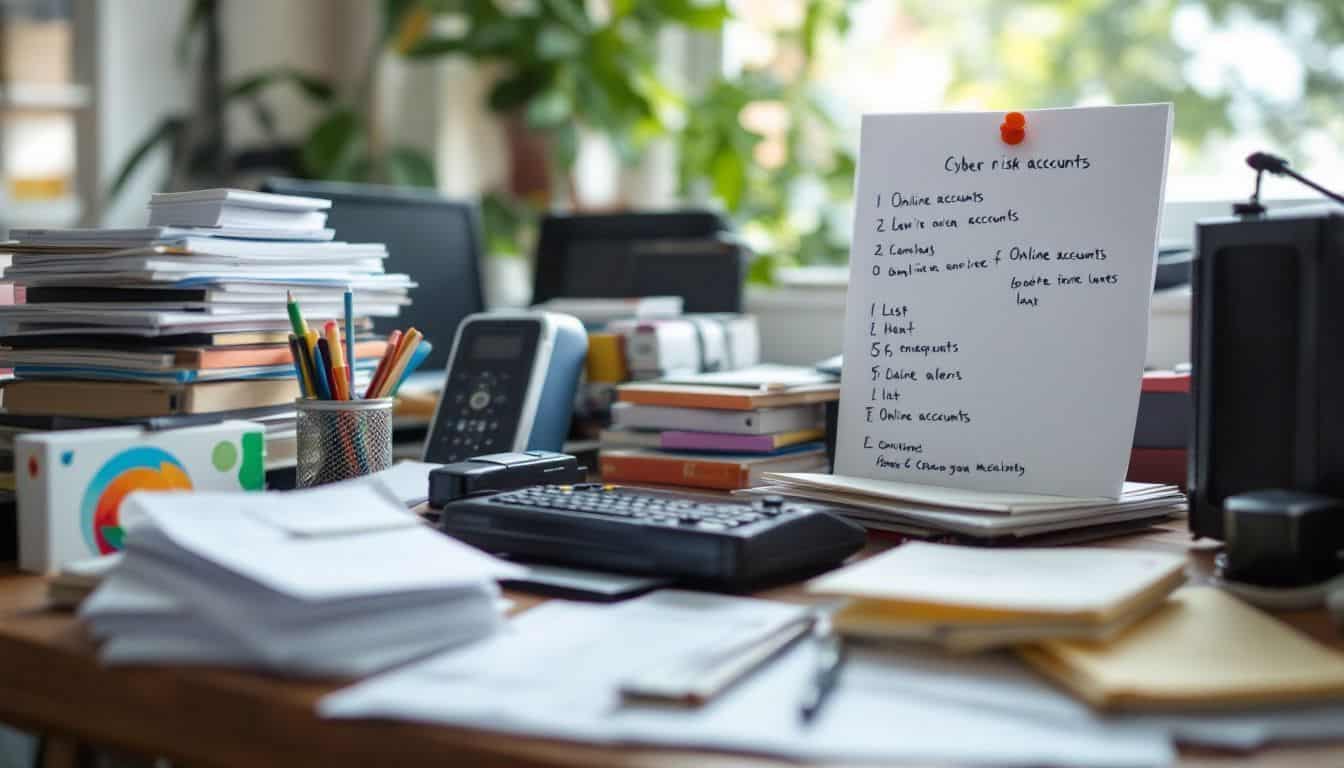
748, 106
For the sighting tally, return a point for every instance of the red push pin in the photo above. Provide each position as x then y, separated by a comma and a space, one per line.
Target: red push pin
1013, 129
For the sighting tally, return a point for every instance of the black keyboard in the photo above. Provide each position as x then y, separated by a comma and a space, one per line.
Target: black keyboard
730, 545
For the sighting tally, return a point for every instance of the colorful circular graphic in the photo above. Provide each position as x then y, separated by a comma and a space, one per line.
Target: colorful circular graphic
143, 468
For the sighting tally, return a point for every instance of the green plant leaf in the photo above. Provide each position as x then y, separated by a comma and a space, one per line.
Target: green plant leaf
393, 13
565, 145
513, 92
697, 14
311, 86
168, 129
433, 47
200, 10
496, 37
265, 118
335, 147
550, 107
571, 13
762, 270
557, 42
409, 167
730, 178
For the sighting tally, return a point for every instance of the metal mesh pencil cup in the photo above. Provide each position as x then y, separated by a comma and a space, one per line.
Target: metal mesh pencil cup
342, 439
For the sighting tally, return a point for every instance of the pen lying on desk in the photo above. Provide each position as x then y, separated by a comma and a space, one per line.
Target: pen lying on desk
830, 660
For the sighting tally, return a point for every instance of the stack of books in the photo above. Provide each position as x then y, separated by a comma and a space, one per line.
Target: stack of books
717, 431
265, 581
1162, 430
187, 316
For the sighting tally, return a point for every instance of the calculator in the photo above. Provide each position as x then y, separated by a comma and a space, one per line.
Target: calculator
705, 541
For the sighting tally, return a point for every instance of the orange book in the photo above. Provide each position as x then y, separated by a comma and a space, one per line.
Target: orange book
717, 472
246, 357
724, 398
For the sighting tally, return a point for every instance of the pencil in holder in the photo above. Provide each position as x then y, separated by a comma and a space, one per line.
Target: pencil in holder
342, 439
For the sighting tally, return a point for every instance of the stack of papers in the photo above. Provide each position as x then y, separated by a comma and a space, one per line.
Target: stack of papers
238, 208
970, 598
1203, 649
920, 510
335, 581
557, 670
184, 300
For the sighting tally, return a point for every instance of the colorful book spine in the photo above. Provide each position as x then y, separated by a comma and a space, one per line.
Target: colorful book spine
677, 440
674, 470
1158, 465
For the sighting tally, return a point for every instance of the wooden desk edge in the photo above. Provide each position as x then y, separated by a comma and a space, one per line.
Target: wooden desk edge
223, 717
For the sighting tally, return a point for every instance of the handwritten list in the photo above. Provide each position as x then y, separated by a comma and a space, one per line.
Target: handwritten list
997, 313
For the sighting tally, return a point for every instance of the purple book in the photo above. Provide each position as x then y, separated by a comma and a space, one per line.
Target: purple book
724, 442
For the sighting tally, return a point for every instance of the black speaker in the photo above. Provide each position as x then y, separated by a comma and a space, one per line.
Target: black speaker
1268, 360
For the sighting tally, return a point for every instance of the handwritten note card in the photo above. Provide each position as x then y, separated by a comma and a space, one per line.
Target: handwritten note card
997, 313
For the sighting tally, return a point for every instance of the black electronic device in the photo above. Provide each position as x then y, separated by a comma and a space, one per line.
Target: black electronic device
501, 472
509, 385
690, 254
1268, 359
1278, 538
434, 239
700, 541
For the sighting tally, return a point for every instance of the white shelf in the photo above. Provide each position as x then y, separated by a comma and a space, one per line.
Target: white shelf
66, 96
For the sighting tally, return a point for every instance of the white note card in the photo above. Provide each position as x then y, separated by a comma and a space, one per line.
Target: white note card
997, 314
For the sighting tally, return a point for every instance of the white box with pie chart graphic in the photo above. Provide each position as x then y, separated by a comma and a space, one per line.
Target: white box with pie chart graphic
71, 484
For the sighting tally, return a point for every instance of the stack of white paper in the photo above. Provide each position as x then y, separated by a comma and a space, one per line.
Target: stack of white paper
339, 581
918, 509
209, 254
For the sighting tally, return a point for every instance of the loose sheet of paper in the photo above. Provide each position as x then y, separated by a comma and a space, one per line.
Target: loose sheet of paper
997, 314
555, 672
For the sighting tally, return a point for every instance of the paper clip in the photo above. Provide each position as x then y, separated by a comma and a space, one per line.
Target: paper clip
1013, 129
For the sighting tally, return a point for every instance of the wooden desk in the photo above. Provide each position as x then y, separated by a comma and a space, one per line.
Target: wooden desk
50, 682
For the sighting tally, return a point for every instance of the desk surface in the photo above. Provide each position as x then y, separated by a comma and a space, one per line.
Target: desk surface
50, 682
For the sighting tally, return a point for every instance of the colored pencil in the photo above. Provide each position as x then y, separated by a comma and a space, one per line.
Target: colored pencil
295, 316
339, 372
409, 341
320, 374
309, 380
328, 370
417, 358
350, 343
300, 373
393, 341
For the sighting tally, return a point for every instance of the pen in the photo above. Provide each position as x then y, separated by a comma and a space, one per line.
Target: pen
328, 369
309, 380
349, 343
830, 660
421, 352
320, 375
300, 373
393, 341
409, 341
339, 370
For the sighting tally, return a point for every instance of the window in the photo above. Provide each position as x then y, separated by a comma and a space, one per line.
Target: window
1244, 75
